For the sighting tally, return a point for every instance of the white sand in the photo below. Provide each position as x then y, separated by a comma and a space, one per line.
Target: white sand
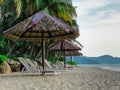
78, 78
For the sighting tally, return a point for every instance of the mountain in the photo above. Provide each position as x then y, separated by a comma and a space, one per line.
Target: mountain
84, 60
105, 59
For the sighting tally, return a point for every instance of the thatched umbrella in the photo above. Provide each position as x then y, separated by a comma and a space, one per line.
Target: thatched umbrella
41, 27
73, 53
67, 47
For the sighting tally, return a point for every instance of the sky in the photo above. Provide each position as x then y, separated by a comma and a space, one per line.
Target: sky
99, 26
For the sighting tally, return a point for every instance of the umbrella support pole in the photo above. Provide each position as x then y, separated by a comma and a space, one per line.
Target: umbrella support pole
43, 54
71, 59
62, 47
64, 60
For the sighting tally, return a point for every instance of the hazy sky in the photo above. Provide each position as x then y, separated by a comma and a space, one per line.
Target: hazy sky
99, 25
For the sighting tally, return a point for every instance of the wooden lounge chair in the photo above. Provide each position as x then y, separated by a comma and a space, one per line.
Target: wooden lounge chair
60, 64
29, 66
50, 65
49, 68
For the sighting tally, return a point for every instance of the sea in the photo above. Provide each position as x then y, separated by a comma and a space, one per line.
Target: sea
115, 67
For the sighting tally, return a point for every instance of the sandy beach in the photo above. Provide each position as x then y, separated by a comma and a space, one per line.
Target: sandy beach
77, 78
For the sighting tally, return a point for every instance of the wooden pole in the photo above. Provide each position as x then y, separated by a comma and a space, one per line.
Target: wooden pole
71, 59
43, 54
62, 47
64, 60
32, 49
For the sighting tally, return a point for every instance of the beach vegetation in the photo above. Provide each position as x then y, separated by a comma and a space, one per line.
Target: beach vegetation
53, 61
4, 66
3, 59
72, 62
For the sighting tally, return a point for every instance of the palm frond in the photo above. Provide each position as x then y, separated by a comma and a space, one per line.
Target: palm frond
46, 9
78, 43
29, 10
52, 12
68, 17
18, 5
1, 1
74, 23
38, 4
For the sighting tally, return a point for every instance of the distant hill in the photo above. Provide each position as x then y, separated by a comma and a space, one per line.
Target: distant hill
105, 59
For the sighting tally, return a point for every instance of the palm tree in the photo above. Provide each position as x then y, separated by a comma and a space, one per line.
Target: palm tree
15, 10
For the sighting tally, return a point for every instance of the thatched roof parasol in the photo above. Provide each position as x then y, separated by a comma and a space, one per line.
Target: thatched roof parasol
40, 28
67, 48
73, 53
32, 28
64, 45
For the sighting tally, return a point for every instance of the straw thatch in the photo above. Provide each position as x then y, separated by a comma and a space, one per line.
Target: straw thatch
64, 45
41, 25
73, 53
67, 48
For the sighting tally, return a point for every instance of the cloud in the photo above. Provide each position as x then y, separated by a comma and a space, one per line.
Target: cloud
89, 15
99, 23
101, 20
85, 7
88, 4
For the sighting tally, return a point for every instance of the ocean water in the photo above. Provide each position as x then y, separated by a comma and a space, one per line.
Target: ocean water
115, 67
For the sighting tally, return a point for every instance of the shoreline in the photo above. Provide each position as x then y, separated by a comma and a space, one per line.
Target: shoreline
103, 66
76, 78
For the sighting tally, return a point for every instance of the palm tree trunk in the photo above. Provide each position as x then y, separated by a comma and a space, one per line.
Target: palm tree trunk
31, 51
11, 49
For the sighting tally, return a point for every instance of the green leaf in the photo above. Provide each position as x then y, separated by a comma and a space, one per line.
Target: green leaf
39, 4
3, 59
